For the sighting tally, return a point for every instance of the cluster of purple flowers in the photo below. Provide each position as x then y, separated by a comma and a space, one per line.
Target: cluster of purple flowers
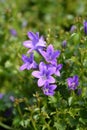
44, 71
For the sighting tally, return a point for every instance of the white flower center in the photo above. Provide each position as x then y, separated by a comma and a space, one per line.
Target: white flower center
73, 84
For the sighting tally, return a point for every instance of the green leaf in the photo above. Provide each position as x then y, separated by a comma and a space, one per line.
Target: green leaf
60, 126
70, 101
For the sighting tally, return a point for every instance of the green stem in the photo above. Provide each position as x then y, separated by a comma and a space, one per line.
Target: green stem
48, 127
19, 110
33, 123
5, 126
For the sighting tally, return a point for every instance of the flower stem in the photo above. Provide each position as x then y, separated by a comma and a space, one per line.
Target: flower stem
19, 110
33, 123
6, 126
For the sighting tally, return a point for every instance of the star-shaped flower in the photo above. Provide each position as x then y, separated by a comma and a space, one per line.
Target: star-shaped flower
50, 55
44, 74
29, 62
73, 82
35, 43
49, 89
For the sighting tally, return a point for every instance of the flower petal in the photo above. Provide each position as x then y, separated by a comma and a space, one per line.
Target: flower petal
35, 65
43, 53
31, 35
37, 34
50, 49
53, 87
85, 27
69, 81
51, 79
51, 70
28, 44
36, 74
23, 67
41, 82
29, 51
59, 67
29, 67
41, 43
57, 73
42, 66
75, 78
48, 92
25, 58
56, 54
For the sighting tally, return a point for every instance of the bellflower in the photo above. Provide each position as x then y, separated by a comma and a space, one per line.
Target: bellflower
73, 82
13, 32
1, 95
73, 28
12, 98
49, 89
44, 74
35, 43
58, 68
85, 27
29, 62
50, 55
64, 43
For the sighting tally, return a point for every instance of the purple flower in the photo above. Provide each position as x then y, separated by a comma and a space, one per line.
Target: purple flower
35, 43
58, 68
44, 74
73, 28
12, 98
85, 27
1, 95
64, 43
49, 89
29, 62
13, 32
50, 55
73, 82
